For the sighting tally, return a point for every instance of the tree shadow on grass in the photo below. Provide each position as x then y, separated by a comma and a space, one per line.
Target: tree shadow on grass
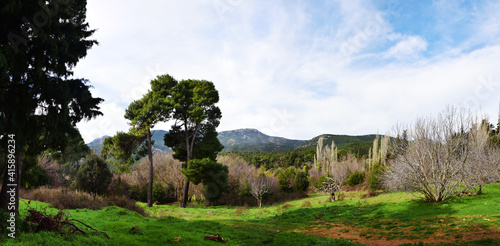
418, 209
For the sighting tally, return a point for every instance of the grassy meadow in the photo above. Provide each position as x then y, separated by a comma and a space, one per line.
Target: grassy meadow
387, 219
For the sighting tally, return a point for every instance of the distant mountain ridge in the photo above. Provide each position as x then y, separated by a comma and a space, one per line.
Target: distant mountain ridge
340, 140
253, 140
157, 137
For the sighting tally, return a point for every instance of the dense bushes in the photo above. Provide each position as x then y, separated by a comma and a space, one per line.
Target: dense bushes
356, 178
375, 179
301, 182
35, 177
162, 194
94, 176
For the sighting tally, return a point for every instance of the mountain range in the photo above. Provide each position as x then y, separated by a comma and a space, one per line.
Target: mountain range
254, 140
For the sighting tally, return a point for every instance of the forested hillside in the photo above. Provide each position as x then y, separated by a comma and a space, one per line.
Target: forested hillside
254, 140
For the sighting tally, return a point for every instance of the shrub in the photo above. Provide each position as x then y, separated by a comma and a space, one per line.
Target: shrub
285, 178
143, 193
163, 195
283, 182
319, 182
301, 182
94, 176
375, 180
356, 178
158, 193
245, 190
35, 177
213, 175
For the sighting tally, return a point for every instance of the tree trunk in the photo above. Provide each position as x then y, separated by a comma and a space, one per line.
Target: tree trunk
185, 195
189, 152
479, 191
150, 155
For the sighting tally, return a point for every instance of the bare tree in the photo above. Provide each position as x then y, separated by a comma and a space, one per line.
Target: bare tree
483, 160
326, 161
333, 185
443, 156
259, 187
325, 157
239, 169
376, 155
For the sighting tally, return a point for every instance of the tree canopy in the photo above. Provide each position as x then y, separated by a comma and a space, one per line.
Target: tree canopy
196, 117
145, 113
94, 176
40, 42
124, 149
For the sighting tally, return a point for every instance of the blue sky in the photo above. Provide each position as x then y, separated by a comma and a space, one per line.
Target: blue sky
298, 69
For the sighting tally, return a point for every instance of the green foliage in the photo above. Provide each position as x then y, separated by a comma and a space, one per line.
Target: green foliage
194, 106
270, 160
301, 182
355, 178
123, 150
94, 176
494, 141
70, 157
375, 179
4, 224
285, 178
162, 194
145, 113
194, 135
153, 107
206, 146
35, 177
320, 181
245, 190
142, 193
213, 175
283, 181
40, 100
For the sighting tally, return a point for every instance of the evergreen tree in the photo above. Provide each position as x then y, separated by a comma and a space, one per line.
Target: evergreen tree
301, 182
145, 113
40, 42
94, 176
123, 150
193, 135
213, 175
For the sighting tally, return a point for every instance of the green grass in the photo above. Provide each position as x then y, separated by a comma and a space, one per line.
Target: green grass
393, 216
162, 231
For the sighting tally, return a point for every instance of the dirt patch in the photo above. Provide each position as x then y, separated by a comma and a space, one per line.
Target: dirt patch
371, 236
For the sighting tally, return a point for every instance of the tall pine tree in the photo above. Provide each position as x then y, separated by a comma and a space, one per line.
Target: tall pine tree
145, 113
193, 135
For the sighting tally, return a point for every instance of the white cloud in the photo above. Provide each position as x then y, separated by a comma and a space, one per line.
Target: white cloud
112, 121
280, 68
408, 48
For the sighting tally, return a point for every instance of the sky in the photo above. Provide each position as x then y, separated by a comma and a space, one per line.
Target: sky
298, 69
